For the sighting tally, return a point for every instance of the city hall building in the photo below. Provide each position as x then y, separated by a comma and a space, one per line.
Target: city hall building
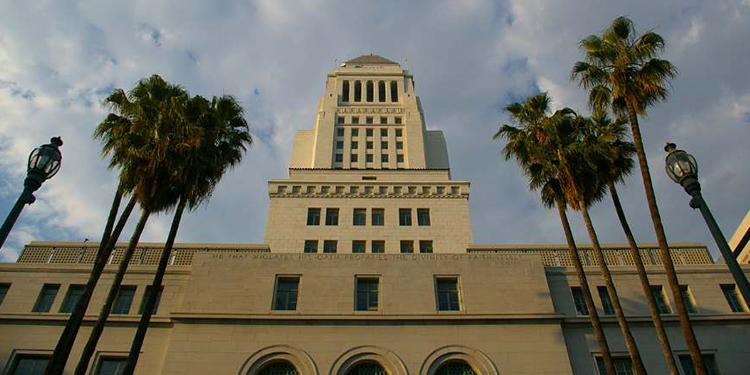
368, 267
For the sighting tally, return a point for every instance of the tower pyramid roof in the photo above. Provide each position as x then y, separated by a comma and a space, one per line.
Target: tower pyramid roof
370, 59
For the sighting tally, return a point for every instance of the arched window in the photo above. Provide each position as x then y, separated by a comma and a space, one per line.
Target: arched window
455, 368
394, 91
345, 92
367, 368
381, 91
370, 91
279, 368
358, 91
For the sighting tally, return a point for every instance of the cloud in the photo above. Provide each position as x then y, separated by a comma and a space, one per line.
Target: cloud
469, 58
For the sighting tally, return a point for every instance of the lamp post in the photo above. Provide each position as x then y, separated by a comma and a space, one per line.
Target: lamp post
683, 169
44, 162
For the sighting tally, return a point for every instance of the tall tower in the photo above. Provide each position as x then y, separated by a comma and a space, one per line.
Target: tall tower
369, 176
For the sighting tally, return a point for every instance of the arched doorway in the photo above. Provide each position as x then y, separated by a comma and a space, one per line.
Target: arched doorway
457, 367
367, 368
279, 368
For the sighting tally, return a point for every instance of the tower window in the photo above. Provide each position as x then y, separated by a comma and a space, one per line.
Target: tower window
124, 299
311, 246
733, 298
381, 91
425, 247
384, 145
339, 144
3, 292
407, 246
355, 132
369, 132
370, 91
368, 158
579, 301
340, 119
394, 91
447, 294
378, 216
286, 293
345, 92
354, 158
369, 145
397, 120
358, 246
400, 158
355, 145
378, 246
146, 296
399, 133
358, 91
355, 120
332, 216
383, 120
607, 306
46, 298
404, 216
340, 132
423, 214
368, 120
383, 132
339, 158
688, 298
367, 294
661, 299
329, 246
399, 145
360, 216
71, 298
313, 216
383, 158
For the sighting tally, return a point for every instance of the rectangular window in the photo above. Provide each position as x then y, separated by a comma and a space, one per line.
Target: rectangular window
384, 158
285, 297
733, 298
358, 246
623, 365
688, 298
366, 298
425, 247
378, 246
579, 301
313, 216
339, 158
124, 299
447, 294
111, 366
355, 145
340, 132
71, 298
368, 158
46, 298
354, 158
369, 145
606, 301
355, 120
407, 246
368, 132
340, 119
709, 364
383, 120
360, 216
368, 120
423, 217
399, 133
29, 364
399, 145
383, 132
3, 292
355, 132
332, 216
661, 299
404, 216
397, 120
378, 216
329, 246
339, 144
384, 145
146, 296
399, 158
311, 246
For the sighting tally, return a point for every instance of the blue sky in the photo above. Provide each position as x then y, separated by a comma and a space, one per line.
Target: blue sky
59, 59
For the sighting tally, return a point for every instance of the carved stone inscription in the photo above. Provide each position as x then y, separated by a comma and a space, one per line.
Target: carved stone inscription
505, 259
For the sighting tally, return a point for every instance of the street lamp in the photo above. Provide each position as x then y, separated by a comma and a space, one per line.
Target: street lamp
44, 162
683, 169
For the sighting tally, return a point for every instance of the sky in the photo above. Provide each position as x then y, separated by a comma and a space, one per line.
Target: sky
60, 59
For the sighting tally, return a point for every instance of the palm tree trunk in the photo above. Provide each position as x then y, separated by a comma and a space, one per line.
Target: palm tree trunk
140, 334
666, 258
593, 316
60, 356
635, 355
96, 332
661, 334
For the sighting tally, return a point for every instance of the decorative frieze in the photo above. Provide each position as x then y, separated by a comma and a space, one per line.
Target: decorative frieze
369, 110
368, 190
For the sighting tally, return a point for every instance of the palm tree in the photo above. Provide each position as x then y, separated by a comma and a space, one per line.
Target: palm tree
622, 72
140, 137
611, 139
525, 144
223, 141
576, 164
